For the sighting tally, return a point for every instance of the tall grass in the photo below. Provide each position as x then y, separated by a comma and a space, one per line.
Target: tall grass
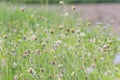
38, 43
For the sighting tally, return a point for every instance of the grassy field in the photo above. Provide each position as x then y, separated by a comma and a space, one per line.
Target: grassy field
45, 43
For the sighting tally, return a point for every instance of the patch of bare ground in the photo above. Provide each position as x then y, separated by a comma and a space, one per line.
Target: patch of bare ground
104, 13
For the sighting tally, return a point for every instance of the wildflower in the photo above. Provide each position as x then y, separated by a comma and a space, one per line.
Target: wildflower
32, 71
86, 77
47, 41
92, 40
43, 44
88, 24
42, 69
52, 31
53, 63
93, 65
60, 75
15, 65
73, 7
22, 9
66, 14
104, 28
33, 37
16, 77
38, 52
117, 59
78, 31
19, 40
61, 27
66, 33
82, 34
50, 76
61, 2
24, 37
60, 66
26, 53
106, 73
58, 42
5, 36
72, 30
14, 30
89, 54
100, 49
68, 30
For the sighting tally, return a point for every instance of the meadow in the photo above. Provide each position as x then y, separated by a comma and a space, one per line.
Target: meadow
42, 42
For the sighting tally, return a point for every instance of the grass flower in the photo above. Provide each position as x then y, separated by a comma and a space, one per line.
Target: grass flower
16, 77
73, 7
82, 34
33, 37
22, 9
32, 72
15, 65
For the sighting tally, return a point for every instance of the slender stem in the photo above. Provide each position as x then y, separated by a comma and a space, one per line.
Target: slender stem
46, 4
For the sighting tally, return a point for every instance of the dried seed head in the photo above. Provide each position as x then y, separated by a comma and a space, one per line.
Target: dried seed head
60, 27
22, 9
5, 36
30, 70
42, 69
73, 7
38, 52
68, 30
50, 76
53, 63
93, 65
52, 31
24, 37
72, 30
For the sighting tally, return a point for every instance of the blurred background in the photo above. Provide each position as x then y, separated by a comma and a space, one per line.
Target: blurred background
96, 11
67, 1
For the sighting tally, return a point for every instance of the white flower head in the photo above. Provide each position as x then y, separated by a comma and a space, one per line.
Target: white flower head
15, 65
66, 14
82, 34
16, 77
89, 70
